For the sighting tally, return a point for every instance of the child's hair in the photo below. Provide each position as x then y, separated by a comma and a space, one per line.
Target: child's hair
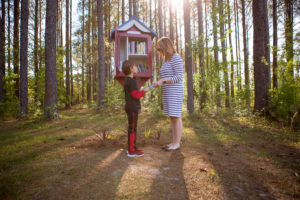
127, 64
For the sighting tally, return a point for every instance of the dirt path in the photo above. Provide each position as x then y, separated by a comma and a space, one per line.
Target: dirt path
220, 158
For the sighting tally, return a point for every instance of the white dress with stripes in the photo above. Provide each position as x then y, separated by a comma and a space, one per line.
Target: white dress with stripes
172, 93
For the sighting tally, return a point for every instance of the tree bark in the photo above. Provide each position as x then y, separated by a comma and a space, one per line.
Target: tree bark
206, 35
101, 78
237, 36
134, 7
67, 55
261, 71
130, 8
188, 58
201, 56
89, 53
231, 52
16, 45
40, 48
150, 14
275, 39
216, 52
289, 33
8, 39
71, 64
94, 38
2, 50
123, 11
176, 31
246, 66
82, 53
164, 16
24, 59
171, 23
160, 25
36, 64
50, 53
223, 50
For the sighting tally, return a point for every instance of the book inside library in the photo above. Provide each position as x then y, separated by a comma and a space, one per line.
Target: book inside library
134, 49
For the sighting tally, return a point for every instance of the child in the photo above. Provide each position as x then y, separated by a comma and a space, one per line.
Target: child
132, 106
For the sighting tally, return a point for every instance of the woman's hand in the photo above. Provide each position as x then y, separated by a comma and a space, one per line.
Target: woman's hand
159, 83
146, 89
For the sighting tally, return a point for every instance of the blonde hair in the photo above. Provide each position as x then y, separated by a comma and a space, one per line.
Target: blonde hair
166, 48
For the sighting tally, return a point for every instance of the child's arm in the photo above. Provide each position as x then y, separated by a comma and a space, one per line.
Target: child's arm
137, 94
134, 91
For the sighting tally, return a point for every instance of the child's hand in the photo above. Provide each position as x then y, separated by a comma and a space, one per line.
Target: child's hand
146, 89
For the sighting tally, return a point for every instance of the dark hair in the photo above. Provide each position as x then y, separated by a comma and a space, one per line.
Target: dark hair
127, 64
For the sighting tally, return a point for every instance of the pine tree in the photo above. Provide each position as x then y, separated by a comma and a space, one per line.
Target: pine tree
50, 54
24, 59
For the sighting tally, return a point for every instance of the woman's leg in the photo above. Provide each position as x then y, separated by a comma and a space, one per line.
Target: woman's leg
177, 131
172, 122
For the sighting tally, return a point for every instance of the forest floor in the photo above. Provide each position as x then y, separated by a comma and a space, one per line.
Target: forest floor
222, 156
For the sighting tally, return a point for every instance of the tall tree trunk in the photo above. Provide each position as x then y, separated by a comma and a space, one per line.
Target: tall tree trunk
2, 50
216, 53
188, 58
246, 66
206, 35
164, 16
231, 52
61, 44
261, 71
40, 48
130, 8
71, 64
118, 12
224, 54
275, 85
160, 25
8, 39
201, 56
239, 79
176, 31
89, 53
289, 33
108, 36
134, 7
24, 59
50, 54
150, 14
16, 45
171, 23
101, 78
82, 53
36, 64
94, 37
67, 55
123, 11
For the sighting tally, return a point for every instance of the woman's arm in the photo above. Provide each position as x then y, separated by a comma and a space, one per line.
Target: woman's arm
177, 66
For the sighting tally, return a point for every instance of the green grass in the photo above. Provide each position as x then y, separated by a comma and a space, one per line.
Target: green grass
29, 149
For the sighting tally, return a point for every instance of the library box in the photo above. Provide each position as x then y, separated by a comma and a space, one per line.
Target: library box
133, 41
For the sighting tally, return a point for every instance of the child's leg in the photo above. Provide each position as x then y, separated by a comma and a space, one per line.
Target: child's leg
132, 122
135, 127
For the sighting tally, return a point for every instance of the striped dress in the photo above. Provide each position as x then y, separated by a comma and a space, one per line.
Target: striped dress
172, 93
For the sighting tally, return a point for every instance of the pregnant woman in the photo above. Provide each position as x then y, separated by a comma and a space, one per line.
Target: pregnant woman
171, 81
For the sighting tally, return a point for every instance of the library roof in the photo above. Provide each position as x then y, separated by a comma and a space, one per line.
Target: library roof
133, 21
